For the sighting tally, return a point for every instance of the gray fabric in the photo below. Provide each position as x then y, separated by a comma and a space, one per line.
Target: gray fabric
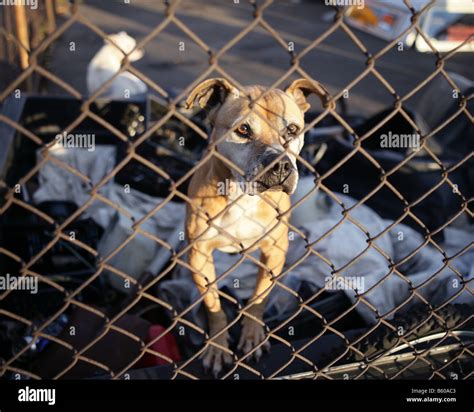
57, 183
315, 217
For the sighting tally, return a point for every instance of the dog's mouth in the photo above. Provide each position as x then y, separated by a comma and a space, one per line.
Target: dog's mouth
273, 188
286, 185
276, 188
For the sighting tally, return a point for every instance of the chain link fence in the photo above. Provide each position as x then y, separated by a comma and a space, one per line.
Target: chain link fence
372, 351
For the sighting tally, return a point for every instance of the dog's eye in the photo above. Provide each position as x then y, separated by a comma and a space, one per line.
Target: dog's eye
244, 130
292, 129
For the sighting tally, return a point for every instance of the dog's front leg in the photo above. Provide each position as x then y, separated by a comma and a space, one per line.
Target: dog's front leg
217, 351
253, 329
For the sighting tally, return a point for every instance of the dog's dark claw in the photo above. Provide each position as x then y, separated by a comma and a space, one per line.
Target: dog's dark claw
253, 334
213, 360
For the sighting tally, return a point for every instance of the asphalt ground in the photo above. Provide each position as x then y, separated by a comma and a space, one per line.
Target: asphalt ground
256, 59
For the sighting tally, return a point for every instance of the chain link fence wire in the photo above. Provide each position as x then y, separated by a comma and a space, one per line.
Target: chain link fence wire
26, 50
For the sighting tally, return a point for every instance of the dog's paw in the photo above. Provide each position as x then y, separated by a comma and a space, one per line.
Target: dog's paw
214, 357
253, 333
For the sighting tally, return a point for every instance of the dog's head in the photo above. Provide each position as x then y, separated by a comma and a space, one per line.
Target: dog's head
260, 132
124, 44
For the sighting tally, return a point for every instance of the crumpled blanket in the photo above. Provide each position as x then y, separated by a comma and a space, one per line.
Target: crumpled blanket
57, 183
381, 289
384, 290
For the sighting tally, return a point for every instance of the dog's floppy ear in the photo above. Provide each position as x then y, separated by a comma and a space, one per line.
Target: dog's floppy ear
301, 88
210, 93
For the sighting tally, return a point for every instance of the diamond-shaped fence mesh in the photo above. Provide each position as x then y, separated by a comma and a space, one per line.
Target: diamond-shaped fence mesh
389, 346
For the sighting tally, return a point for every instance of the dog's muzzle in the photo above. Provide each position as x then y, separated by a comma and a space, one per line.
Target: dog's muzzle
281, 174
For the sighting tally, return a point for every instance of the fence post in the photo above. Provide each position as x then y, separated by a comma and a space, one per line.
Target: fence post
7, 23
22, 35
50, 16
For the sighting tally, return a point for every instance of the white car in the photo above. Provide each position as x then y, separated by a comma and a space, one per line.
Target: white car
447, 23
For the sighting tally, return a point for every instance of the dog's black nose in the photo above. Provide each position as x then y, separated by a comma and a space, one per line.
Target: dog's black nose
282, 168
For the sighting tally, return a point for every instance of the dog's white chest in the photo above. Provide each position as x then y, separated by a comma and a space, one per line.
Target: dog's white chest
242, 221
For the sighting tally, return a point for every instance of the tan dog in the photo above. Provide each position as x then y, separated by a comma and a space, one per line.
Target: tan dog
255, 164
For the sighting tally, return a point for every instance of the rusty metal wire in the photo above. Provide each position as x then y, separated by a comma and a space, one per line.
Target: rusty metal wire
178, 256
